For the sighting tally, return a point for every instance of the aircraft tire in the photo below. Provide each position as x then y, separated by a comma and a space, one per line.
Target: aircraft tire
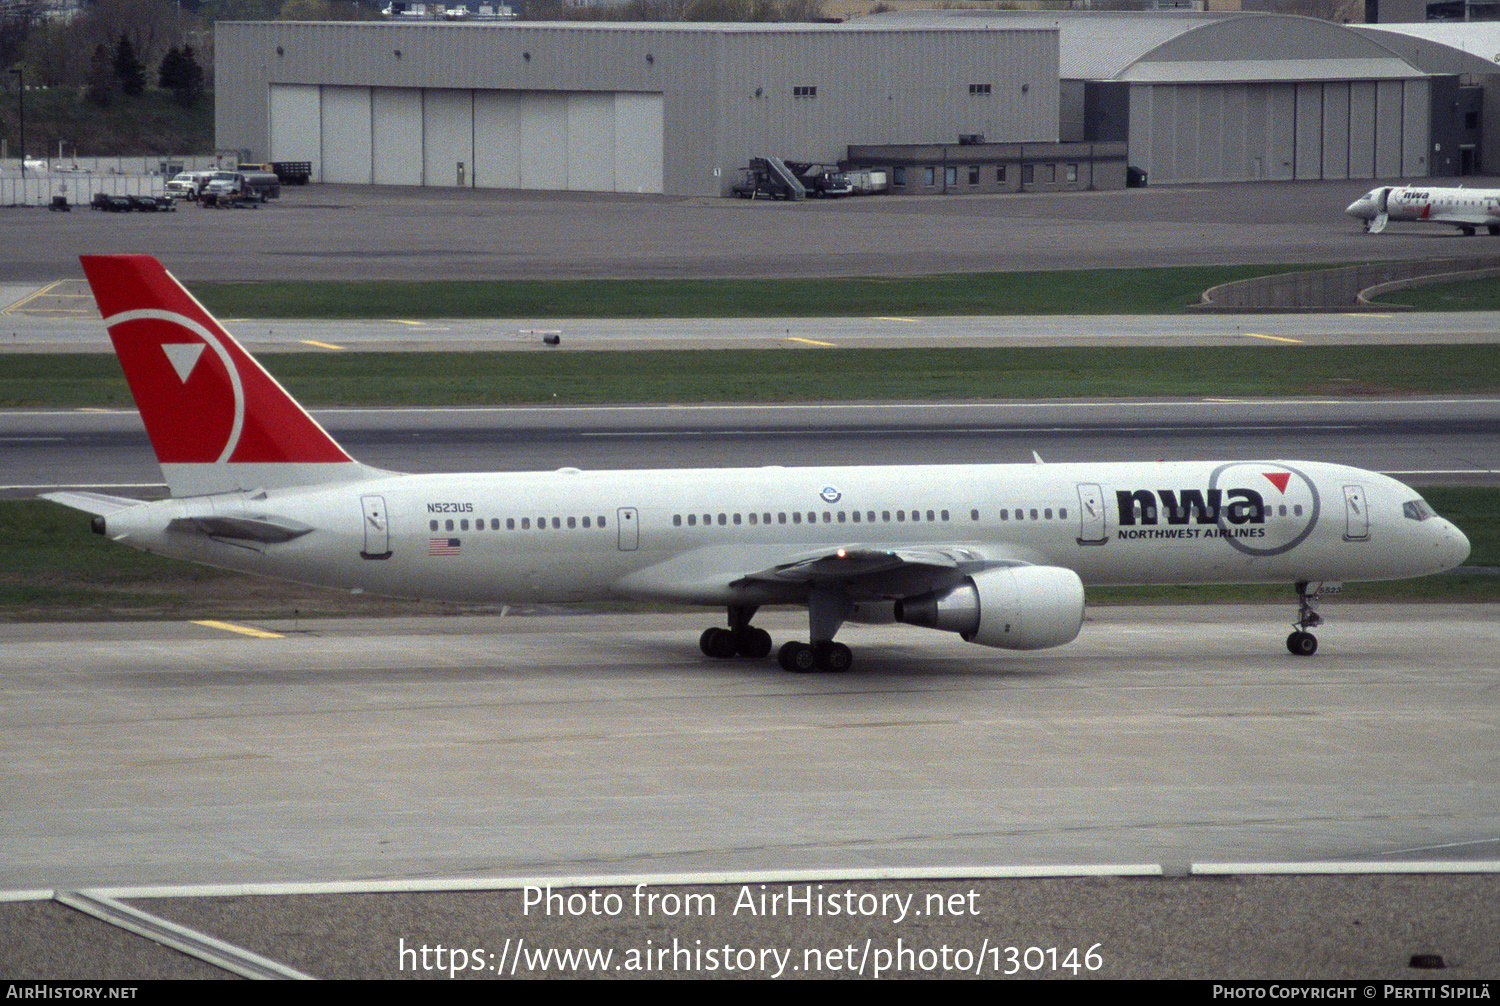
752, 642
716, 642
835, 657
1302, 644
796, 657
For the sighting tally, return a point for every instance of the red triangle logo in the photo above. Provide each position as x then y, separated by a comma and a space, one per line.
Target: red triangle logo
1278, 479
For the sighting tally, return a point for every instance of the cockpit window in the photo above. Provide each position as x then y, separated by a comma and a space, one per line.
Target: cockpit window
1416, 510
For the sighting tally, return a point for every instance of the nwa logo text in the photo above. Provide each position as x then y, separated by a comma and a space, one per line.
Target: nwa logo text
1191, 506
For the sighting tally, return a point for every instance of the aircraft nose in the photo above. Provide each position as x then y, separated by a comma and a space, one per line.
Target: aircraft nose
1454, 547
1361, 208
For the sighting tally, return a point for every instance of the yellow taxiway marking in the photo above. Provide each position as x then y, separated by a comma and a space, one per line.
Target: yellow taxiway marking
1273, 338
880, 318
18, 305
320, 345
404, 321
810, 342
243, 629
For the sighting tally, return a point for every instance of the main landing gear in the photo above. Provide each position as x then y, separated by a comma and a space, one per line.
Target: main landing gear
826, 612
741, 639
1303, 643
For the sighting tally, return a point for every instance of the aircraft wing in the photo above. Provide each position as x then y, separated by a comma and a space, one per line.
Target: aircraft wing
766, 574
868, 565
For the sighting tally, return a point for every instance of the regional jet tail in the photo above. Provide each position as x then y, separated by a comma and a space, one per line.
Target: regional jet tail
998, 554
1466, 209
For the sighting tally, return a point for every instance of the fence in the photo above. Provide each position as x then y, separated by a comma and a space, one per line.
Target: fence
78, 178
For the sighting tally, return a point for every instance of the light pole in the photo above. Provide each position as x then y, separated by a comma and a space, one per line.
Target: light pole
21, 104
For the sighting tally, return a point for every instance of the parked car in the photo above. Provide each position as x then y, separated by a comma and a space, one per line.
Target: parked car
110, 204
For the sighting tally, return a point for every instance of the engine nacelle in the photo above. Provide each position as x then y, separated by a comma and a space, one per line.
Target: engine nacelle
1014, 608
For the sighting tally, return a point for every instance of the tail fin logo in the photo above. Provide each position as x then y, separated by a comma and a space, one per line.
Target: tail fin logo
184, 356
204, 400
192, 402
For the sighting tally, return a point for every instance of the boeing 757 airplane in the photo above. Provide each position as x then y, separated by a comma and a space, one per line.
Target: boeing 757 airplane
1466, 209
996, 553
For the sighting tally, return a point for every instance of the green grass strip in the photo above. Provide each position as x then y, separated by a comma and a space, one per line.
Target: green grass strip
1467, 295
804, 374
1084, 291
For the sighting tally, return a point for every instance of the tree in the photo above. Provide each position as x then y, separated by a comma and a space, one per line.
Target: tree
101, 86
181, 74
128, 70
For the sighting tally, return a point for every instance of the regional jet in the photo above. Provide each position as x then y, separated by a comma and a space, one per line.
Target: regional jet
998, 554
1466, 209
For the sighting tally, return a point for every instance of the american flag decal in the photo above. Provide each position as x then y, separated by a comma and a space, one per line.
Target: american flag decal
442, 546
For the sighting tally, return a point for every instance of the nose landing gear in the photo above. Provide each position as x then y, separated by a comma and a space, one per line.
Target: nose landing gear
1302, 643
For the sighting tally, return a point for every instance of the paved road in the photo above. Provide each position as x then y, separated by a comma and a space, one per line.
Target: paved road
592, 746
361, 232
1424, 441
65, 321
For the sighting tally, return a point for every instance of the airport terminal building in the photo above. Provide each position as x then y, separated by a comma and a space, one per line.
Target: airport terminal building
949, 101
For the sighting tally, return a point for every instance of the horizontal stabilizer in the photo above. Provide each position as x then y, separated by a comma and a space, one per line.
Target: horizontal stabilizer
95, 503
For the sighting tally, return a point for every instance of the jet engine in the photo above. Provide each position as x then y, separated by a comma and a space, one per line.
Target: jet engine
1014, 608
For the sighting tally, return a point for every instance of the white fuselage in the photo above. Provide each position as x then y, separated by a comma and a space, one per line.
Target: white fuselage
701, 536
1466, 209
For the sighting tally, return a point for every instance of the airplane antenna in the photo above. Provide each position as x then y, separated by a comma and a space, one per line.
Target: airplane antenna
1038, 457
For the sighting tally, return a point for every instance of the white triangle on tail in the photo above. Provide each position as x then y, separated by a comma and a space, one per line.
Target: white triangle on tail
184, 357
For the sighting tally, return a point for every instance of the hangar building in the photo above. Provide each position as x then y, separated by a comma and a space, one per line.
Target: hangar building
1234, 96
615, 107
678, 108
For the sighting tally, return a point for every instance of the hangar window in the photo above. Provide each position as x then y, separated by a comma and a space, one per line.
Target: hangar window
805, 92
973, 174
898, 175
1028, 173
979, 89
950, 175
1000, 173
930, 175
1072, 175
